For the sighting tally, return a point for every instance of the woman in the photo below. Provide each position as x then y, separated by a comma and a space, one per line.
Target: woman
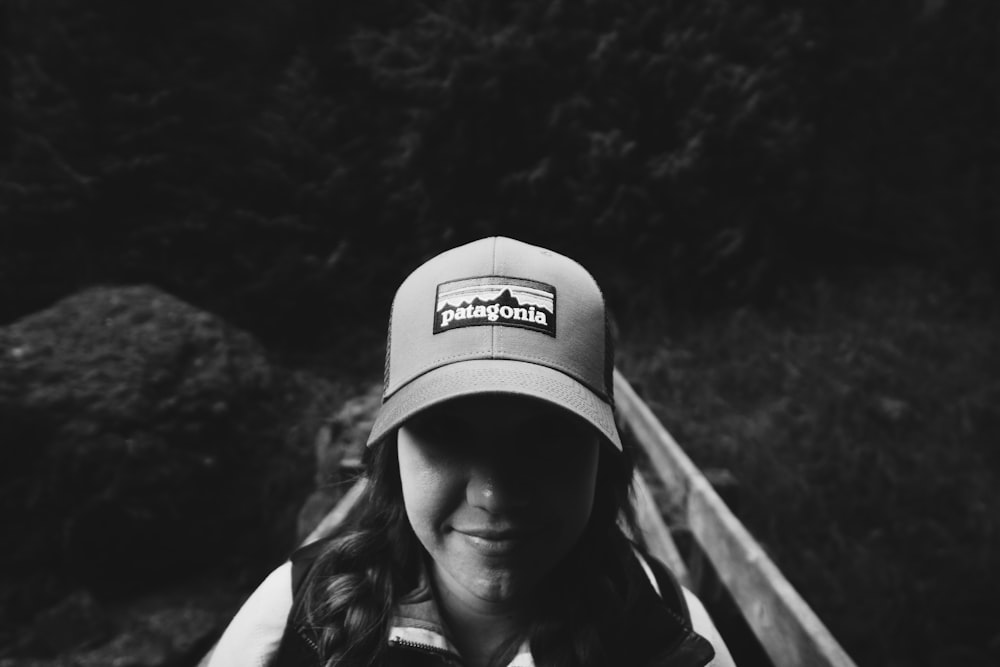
494, 528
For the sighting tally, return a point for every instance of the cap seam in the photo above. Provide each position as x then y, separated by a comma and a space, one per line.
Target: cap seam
542, 361
387, 371
445, 361
493, 330
538, 361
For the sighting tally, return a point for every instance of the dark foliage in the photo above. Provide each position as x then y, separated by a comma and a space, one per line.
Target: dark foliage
860, 422
284, 163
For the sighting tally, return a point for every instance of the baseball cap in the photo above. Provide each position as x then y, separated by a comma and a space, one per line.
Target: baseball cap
499, 316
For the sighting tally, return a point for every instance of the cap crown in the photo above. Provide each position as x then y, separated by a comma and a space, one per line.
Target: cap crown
548, 310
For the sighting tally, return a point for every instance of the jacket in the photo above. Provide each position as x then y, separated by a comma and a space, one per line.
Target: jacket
658, 630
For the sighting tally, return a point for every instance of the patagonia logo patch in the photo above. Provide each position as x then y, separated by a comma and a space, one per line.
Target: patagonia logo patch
495, 300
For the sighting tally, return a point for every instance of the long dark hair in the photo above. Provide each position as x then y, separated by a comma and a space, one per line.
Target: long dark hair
355, 582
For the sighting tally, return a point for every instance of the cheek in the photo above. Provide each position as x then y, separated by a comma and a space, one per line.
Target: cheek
570, 494
428, 490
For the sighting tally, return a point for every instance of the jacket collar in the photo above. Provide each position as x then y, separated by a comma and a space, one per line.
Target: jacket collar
417, 625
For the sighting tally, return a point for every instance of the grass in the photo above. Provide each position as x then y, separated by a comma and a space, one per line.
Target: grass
862, 422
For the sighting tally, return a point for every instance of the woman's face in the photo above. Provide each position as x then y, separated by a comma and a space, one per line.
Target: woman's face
498, 489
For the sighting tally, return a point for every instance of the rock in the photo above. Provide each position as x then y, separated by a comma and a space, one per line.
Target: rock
341, 438
150, 632
77, 621
141, 437
171, 636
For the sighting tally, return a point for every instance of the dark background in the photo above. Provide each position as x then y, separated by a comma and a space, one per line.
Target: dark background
765, 181
285, 163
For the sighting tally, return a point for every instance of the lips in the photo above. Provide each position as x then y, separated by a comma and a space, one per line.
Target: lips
494, 541
496, 533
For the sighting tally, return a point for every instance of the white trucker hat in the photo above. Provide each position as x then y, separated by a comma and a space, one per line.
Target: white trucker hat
498, 316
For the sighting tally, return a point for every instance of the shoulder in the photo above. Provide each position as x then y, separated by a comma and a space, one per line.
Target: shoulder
304, 558
664, 583
692, 610
702, 623
255, 632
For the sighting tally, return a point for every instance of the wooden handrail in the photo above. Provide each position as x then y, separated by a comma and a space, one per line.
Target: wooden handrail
655, 532
786, 627
339, 512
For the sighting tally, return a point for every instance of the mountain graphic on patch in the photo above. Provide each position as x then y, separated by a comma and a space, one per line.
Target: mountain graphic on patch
495, 301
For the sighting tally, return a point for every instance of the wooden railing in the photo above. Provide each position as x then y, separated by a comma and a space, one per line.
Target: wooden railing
787, 628
784, 625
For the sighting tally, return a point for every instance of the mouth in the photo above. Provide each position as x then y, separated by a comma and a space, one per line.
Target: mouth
496, 541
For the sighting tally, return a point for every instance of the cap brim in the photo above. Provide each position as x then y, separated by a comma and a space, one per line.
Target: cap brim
491, 376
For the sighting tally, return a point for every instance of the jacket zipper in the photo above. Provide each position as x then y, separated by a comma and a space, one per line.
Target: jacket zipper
308, 640
427, 648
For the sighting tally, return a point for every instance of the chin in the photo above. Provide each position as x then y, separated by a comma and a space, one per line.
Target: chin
503, 588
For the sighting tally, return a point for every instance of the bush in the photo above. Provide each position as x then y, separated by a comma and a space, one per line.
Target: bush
238, 158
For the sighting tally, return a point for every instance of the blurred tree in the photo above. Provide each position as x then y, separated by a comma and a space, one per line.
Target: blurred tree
906, 152
255, 157
606, 130
125, 126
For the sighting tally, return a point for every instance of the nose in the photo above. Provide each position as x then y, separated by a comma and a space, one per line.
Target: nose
498, 489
